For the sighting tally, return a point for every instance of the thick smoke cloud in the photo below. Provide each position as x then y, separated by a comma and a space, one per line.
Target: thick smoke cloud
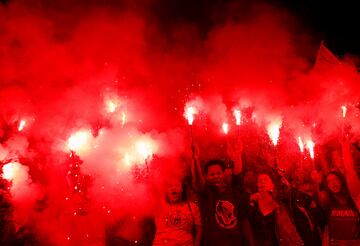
113, 75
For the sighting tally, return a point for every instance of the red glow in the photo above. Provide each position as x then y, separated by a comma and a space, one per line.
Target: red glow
106, 81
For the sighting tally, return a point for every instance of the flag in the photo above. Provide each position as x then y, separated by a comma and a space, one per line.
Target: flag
325, 59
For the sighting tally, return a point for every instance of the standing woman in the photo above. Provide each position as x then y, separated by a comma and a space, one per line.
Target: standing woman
342, 201
269, 218
177, 220
343, 226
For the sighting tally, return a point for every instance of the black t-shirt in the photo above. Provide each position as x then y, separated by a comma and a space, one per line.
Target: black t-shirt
222, 215
308, 217
264, 227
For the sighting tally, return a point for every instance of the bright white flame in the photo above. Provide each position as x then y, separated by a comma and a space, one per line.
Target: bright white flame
79, 140
21, 125
144, 149
301, 144
10, 170
344, 110
140, 150
225, 128
112, 103
111, 106
273, 130
189, 114
310, 146
237, 115
123, 118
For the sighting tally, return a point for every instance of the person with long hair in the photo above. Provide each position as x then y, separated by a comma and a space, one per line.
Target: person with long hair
341, 200
309, 217
270, 219
343, 218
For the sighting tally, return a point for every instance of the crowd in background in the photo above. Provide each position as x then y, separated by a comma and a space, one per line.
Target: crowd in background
228, 202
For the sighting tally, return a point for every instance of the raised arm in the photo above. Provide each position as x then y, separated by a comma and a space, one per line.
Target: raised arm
198, 180
320, 196
248, 234
350, 173
235, 152
197, 222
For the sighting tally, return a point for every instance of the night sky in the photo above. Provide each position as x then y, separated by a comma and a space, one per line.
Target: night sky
335, 22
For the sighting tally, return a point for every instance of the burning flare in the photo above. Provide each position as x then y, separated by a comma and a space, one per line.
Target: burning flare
189, 114
301, 144
79, 140
22, 125
225, 128
310, 146
273, 130
10, 170
344, 110
237, 115
123, 119
111, 106
143, 149
112, 103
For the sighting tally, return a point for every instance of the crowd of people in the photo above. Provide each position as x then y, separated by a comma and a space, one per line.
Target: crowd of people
228, 204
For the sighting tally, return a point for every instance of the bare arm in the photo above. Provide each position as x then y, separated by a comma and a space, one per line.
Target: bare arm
320, 196
197, 223
248, 234
198, 180
323, 162
235, 153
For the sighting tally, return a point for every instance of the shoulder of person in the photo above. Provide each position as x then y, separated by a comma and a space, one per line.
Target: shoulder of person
357, 202
324, 200
193, 205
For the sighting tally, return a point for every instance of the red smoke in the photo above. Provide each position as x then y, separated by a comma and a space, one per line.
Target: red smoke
112, 71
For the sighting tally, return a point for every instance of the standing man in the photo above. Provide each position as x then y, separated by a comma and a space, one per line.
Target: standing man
223, 211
